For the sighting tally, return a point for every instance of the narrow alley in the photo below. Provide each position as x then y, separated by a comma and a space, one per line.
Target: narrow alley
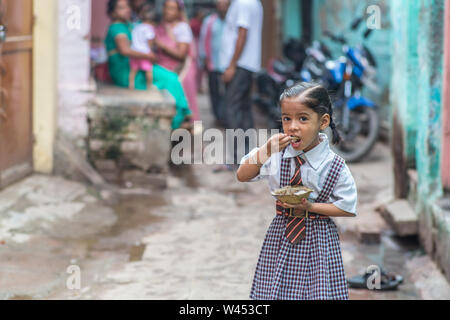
198, 239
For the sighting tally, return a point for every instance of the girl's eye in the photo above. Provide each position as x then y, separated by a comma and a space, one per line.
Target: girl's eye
285, 119
303, 119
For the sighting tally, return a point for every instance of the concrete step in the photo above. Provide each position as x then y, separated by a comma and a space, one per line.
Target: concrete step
401, 217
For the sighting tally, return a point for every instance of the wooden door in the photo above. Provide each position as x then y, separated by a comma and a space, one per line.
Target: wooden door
16, 24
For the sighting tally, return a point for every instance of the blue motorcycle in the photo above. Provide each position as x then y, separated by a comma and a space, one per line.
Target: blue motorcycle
356, 116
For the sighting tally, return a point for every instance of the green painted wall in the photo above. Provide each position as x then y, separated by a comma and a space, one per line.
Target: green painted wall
416, 96
291, 19
429, 91
405, 73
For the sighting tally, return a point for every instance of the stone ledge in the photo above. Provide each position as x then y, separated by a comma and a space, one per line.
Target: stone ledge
401, 217
124, 101
129, 129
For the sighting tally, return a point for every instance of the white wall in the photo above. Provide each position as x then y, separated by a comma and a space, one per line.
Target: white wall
73, 65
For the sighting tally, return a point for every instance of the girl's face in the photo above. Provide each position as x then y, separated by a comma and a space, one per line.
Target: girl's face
303, 123
171, 11
122, 11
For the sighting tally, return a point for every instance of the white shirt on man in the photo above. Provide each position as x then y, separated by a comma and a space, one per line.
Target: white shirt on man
313, 172
247, 14
140, 36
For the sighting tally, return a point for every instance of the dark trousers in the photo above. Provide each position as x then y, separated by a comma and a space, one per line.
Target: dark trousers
238, 105
217, 94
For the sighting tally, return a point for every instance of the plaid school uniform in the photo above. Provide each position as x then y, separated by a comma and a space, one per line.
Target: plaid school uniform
309, 270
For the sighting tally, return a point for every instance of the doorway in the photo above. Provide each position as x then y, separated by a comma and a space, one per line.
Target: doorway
16, 45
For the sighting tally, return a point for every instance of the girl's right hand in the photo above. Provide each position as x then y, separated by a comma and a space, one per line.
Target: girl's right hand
278, 143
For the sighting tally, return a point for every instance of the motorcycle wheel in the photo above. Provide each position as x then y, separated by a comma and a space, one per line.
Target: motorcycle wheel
362, 136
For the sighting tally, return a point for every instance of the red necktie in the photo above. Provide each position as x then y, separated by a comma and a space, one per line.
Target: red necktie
296, 226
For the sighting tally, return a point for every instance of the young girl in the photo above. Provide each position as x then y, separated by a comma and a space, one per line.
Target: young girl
143, 35
301, 256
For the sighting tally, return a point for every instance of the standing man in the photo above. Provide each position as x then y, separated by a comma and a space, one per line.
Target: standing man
210, 46
240, 58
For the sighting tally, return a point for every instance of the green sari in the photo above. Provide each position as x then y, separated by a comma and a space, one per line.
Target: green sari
119, 69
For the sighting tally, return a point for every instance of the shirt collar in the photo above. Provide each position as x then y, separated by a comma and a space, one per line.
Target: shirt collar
315, 156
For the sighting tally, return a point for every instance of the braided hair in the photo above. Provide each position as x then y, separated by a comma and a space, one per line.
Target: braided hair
315, 97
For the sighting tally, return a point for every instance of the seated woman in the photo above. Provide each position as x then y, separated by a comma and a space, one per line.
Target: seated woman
118, 45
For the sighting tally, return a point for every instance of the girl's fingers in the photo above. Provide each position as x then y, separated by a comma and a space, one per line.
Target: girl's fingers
285, 144
286, 138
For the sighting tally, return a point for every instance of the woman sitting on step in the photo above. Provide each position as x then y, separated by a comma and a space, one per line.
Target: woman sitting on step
118, 45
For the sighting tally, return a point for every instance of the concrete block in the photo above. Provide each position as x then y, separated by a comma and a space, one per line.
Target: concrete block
369, 234
133, 125
401, 217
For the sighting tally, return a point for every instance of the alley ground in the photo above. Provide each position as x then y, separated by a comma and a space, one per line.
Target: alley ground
198, 239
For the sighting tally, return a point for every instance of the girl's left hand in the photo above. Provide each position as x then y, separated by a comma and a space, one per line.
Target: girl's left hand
304, 205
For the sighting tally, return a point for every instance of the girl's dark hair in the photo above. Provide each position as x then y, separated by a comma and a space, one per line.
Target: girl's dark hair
146, 12
316, 97
111, 7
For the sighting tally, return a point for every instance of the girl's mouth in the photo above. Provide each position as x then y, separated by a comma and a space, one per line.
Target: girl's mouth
296, 141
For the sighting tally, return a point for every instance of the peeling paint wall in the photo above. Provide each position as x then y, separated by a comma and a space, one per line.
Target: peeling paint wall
416, 97
291, 19
405, 72
445, 154
429, 91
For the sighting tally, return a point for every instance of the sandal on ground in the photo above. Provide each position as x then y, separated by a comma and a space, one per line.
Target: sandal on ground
388, 281
392, 276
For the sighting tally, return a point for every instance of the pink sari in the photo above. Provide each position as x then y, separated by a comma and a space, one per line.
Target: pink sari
187, 71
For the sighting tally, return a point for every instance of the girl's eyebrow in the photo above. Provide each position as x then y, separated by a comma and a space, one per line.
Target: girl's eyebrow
300, 113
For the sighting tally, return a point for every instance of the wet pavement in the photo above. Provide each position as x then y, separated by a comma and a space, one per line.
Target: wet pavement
198, 239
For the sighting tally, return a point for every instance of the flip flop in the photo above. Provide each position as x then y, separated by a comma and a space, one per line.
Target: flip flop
392, 276
388, 281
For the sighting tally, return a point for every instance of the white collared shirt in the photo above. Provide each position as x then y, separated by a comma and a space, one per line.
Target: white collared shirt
247, 14
313, 172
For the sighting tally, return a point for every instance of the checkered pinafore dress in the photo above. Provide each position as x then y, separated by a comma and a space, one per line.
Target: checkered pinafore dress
310, 270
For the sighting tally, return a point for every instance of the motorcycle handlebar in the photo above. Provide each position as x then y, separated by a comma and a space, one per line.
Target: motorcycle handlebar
367, 33
356, 23
333, 37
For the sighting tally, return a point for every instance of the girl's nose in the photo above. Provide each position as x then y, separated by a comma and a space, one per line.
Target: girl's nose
293, 126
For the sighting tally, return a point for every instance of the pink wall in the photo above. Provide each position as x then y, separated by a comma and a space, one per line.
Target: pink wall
100, 22
445, 163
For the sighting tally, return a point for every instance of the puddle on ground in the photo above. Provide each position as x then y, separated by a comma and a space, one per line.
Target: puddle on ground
136, 218
137, 211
